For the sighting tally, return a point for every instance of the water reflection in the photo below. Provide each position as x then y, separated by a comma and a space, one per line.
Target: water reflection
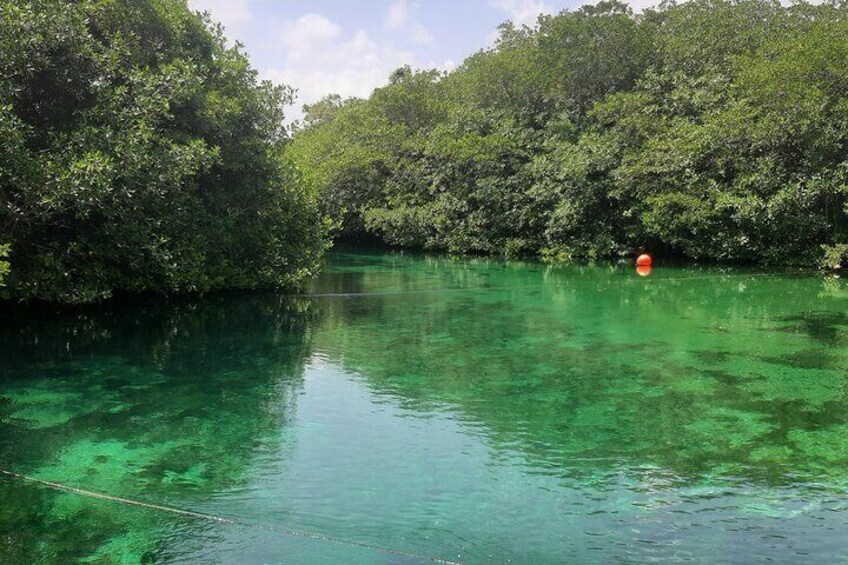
166, 402
702, 373
493, 411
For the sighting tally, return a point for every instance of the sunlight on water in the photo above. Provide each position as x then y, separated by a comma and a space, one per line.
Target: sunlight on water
476, 411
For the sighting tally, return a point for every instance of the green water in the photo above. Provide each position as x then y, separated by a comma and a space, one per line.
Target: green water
477, 411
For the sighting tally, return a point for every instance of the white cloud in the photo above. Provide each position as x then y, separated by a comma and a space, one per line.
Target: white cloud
230, 13
492, 38
401, 17
397, 16
307, 31
321, 59
639, 5
421, 36
522, 12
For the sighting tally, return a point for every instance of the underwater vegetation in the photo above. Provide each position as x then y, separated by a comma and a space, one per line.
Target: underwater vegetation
478, 411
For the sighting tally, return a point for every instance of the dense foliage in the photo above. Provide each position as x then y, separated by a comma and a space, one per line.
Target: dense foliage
4, 265
139, 152
712, 129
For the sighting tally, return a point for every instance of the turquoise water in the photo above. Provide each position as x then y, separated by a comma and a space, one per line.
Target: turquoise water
471, 411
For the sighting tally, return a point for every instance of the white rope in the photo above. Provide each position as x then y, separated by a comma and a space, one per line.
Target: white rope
225, 520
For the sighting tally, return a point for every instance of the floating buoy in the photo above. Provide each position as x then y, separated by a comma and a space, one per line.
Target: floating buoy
643, 270
644, 260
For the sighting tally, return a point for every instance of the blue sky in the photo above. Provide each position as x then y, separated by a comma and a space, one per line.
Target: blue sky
349, 47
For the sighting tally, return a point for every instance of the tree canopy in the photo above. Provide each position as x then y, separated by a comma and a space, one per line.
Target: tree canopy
140, 152
710, 129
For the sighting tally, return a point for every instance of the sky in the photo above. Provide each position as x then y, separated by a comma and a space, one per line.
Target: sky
349, 47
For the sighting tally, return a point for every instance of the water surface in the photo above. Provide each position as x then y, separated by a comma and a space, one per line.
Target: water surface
473, 411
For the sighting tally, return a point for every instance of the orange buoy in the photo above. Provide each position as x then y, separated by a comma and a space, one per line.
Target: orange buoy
643, 270
644, 260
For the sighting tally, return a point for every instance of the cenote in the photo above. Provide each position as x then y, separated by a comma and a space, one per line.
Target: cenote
473, 411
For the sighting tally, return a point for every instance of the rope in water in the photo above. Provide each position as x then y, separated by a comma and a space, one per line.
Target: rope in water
225, 520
